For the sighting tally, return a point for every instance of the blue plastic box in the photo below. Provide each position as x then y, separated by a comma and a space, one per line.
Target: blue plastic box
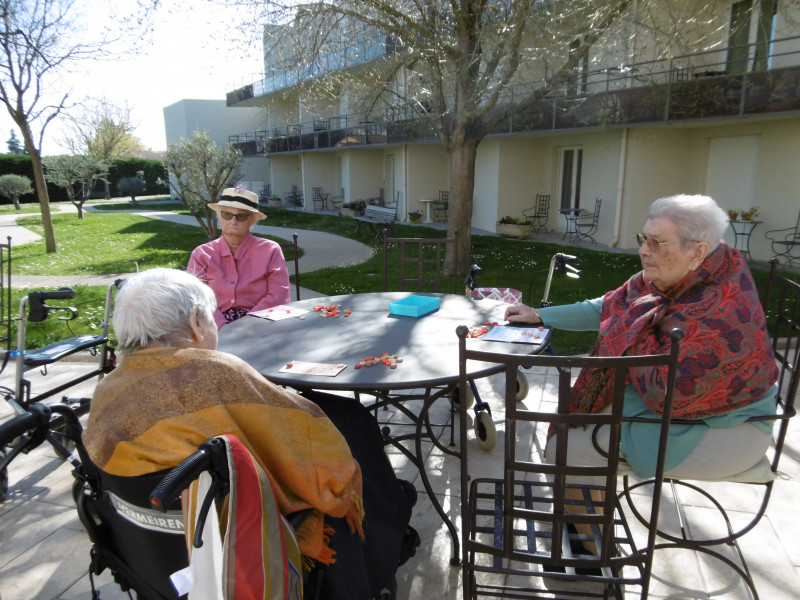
414, 306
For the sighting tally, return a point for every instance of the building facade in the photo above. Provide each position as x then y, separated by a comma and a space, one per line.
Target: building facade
722, 119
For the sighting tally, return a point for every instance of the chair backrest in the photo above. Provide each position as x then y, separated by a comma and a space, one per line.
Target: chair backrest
317, 193
421, 262
515, 508
782, 307
542, 205
444, 196
141, 547
295, 257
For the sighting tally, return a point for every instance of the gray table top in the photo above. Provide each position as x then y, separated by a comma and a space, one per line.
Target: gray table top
428, 344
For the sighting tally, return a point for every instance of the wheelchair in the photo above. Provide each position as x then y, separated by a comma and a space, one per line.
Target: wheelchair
135, 524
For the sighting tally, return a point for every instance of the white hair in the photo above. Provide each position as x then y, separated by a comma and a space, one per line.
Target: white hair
154, 305
697, 218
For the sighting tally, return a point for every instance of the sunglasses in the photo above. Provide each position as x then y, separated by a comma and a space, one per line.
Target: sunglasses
241, 217
653, 244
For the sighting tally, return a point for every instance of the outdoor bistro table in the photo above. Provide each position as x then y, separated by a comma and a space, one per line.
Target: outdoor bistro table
742, 231
427, 344
571, 215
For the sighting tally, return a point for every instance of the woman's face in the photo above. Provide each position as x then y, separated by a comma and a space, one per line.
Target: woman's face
665, 264
232, 226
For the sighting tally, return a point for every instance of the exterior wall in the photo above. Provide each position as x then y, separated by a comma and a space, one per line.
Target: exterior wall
185, 117
428, 172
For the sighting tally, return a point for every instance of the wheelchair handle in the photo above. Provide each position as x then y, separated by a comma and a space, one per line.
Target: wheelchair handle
37, 418
64, 293
179, 478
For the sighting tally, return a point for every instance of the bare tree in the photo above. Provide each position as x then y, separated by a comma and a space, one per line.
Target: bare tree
105, 129
199, 171
40, 39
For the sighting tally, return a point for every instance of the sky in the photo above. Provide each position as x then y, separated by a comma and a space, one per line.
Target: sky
195, 50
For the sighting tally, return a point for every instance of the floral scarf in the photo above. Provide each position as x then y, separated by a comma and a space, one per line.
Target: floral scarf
725, 360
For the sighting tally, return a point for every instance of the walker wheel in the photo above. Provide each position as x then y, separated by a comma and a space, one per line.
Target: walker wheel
522, 386
457, 397
485, 430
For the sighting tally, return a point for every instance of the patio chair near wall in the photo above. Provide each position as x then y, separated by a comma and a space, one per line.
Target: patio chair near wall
440, 206
320, 199
586, 223
337, 201
538, 213
786, 242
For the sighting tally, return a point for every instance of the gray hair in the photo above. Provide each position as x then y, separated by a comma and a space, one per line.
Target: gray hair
697, 218
154, 305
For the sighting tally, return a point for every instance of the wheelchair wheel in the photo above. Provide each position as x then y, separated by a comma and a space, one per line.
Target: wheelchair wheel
485, 430
457, 397
522, 386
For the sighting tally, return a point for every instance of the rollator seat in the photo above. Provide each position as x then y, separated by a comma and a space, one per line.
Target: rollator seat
57, 350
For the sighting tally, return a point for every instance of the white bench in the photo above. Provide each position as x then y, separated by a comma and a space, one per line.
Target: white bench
377, 216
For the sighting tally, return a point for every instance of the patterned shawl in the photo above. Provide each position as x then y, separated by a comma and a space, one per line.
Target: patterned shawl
725, 360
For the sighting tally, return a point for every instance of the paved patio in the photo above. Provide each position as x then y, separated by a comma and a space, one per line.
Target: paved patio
44, 552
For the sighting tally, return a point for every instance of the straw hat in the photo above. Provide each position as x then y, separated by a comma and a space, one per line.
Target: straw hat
238, 197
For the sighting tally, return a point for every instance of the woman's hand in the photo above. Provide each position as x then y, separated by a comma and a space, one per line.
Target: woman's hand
523, 314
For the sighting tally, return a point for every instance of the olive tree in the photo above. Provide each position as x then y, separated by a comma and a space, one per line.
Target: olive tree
132, 186
199, 171
77, 174
13, 186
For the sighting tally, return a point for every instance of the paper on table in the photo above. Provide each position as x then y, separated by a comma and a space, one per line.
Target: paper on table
276, 313
306, 368
520, 335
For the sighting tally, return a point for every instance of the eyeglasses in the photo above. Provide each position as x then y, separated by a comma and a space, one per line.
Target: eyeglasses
653, 244
241, 217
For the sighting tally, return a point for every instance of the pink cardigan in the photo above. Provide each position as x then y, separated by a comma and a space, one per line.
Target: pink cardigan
254, 278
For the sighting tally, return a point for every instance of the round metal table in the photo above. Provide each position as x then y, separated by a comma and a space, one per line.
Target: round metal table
427, 344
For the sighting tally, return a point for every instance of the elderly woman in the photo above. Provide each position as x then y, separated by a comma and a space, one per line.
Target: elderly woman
172, 390
726, 372
246, 273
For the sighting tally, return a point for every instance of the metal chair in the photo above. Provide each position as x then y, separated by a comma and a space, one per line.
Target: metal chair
586, 223
537, 214
320, 199
337, 201
782, 307
425, 272
265, 195
786, 242
440, 206
516, 527
296, 257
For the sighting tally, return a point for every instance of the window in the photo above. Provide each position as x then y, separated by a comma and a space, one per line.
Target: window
578, 74
570, 180
751, 37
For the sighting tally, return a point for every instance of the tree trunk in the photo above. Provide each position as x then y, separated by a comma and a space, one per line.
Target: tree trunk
41, 187
462, 184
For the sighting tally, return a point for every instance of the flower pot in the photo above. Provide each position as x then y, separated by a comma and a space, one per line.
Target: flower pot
517, 232
349, 212
275, 203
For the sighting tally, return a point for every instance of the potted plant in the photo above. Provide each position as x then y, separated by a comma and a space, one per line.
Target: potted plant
733, 213
275, 202
518, 229
750, 214
354, 209
415, 216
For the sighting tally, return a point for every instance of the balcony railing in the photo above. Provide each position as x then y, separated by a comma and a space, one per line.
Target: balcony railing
698, 86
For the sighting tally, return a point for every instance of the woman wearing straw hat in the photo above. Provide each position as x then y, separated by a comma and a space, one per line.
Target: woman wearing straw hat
247, 273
